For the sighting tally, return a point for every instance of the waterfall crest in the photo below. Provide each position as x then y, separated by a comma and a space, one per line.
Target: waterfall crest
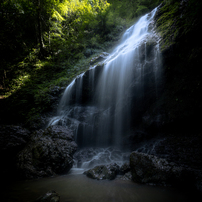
104, 103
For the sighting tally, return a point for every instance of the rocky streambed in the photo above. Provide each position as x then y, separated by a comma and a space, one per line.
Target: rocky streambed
51, 153
149, 169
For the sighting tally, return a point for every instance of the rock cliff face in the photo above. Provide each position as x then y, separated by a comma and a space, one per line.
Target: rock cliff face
83, 111
175, 114
179, 105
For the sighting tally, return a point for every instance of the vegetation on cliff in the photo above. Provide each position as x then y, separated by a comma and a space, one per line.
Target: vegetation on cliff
48, 43
44, 44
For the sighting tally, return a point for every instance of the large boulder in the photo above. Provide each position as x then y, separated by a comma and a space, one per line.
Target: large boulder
103, 172
48, 152
150, 169
12, 140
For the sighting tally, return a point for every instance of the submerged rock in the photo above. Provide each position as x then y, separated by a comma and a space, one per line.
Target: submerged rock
49, 152
152, 170
50, 196
103, 172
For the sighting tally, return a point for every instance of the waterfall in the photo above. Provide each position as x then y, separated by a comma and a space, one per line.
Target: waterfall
104, 103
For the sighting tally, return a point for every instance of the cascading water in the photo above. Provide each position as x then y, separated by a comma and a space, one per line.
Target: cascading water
104, 103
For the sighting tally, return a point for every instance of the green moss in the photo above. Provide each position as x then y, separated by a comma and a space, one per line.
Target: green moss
178, 25
30, 80
167, 24
177, 19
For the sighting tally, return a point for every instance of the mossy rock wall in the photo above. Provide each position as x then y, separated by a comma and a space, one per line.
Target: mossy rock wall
178, 23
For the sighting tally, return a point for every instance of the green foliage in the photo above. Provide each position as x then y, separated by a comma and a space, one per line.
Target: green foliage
141, 9
131, 9
48, 42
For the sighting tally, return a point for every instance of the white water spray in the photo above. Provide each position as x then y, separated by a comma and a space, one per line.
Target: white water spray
101, 108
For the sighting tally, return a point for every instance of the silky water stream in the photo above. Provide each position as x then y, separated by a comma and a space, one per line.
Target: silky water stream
100, 119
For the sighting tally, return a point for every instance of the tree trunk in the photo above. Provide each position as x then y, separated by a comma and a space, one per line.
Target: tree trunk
40, 37
49, 42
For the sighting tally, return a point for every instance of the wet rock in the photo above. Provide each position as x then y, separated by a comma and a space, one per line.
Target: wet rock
59, 132
124, 168
127, 176
148, 48
48, 152
50, 196
99, 58
103, 172
152, 170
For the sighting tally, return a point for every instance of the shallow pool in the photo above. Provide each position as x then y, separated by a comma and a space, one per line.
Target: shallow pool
76, 187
